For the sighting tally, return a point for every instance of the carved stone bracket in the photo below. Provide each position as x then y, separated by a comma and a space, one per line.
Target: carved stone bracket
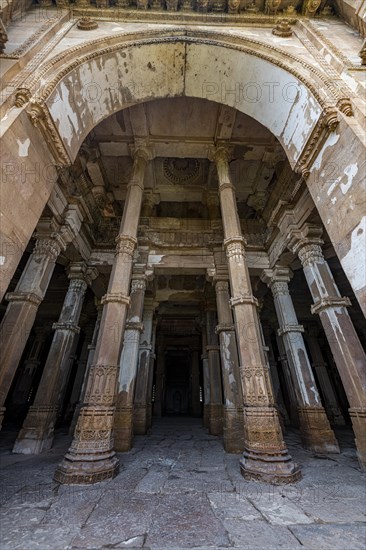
41, 118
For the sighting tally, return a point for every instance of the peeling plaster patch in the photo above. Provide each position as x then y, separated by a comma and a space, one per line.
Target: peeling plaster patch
332, 140
155, 258
23, 147
350, 172
352, 262
333, 185
333, 200
2, 260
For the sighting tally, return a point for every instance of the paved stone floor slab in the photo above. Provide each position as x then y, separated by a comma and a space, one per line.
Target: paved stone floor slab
178, 489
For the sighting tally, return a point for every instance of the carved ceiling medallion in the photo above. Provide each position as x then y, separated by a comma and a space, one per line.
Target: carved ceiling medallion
181, 170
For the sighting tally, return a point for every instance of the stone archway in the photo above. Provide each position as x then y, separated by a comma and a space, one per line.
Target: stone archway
86, 84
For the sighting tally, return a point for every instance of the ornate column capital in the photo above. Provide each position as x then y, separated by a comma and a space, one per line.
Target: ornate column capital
221, 154
142, 150
48, 247
225, 327
307, 244
81, 271
125, 244
277, 278
234, 246
221, 286
138, 282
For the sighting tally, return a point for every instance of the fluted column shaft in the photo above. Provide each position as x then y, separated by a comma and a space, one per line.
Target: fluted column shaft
233, 397
23, 306
293, 409
319, 365
214, 366
91, 457
37, 432
315, 429
347, 351
265, 456
123, 418
140, 402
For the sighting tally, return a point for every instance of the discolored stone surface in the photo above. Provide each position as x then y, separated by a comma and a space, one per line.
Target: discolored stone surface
178, 489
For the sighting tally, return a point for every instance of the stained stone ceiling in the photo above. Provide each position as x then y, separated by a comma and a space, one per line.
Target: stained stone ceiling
182, 131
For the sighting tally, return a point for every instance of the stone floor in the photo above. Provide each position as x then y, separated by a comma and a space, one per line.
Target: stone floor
178, 489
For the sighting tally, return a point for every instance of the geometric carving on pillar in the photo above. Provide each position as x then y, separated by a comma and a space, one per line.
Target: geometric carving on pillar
315, 429
265, 456
343, 340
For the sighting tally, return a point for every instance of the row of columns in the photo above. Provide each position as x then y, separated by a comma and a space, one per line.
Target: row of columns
250, 419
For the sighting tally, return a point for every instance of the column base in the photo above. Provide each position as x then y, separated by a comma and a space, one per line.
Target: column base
358, 417
216, 419
123, 429
91, 457
37, 433
233, 430
315, 431
140, 419
266, 457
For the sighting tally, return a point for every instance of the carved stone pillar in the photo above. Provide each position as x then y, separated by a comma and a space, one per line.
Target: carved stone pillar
319, 365
91, 457
277, 392
123, 417
265, 456
80, 372
24, 302
316, 433
151, 376
346, 348
23, 386
141, 391
214, 367
91, 349
292, 399
159, 382
37, 432
195, 383
206, 379
233, 397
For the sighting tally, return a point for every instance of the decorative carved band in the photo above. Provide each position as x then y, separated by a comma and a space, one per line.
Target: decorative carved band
23, 297
225, 327
102, 384
115, 297
66, 326
289, 328
244, 299
125, 244
329, 302
212, 348
134, 326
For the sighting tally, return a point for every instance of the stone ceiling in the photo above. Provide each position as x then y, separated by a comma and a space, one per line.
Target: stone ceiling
182, 132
